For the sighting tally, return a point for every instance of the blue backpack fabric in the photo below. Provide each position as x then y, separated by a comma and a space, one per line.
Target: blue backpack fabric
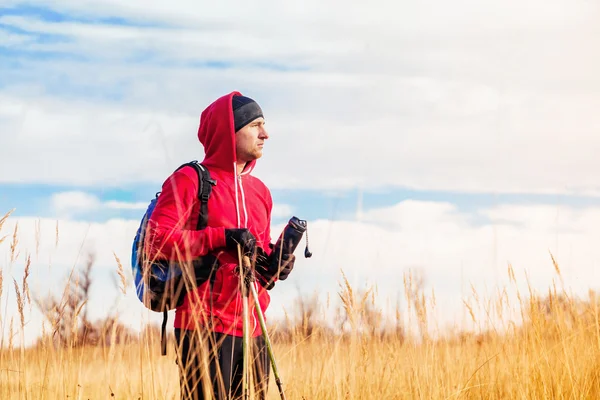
160, 284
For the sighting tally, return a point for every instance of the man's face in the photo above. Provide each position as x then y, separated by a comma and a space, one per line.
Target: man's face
249, 140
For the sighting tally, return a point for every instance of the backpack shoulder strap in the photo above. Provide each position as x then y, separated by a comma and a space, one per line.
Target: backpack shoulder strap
205, 184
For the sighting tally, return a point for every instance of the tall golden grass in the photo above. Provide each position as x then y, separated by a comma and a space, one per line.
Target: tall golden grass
553, 352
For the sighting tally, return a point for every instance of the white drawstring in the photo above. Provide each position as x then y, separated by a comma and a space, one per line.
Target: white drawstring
237, 210
246, 226
244, 204
237, 298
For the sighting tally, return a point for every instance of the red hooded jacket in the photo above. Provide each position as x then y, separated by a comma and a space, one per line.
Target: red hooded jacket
236, 202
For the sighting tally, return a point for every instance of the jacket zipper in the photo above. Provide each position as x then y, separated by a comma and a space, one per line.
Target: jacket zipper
245, 226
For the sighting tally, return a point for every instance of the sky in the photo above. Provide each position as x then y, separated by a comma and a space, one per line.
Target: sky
450, 138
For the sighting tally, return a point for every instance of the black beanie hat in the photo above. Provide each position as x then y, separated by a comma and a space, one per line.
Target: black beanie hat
245, 110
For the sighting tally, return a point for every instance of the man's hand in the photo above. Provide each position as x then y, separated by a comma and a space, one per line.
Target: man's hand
283, 267
242, 237
273, 267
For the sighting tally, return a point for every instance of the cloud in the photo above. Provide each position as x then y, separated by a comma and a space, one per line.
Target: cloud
74, 201
452, 249
77, 202
466, 96
9, 39
282, 211
123, 205
475, 154
215, 44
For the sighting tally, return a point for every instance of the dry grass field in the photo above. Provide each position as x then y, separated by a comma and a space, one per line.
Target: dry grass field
552, 353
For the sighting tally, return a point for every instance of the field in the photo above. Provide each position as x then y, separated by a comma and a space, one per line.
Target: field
552, 352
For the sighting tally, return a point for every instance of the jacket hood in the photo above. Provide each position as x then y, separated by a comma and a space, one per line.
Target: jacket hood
217, 134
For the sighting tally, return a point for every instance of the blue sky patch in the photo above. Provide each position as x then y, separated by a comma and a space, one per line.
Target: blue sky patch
51, 15
35, 200
12, 55
142, 57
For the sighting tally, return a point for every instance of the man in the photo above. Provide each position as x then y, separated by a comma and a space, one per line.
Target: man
209, 321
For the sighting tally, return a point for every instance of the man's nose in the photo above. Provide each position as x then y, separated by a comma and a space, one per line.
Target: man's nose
264, 134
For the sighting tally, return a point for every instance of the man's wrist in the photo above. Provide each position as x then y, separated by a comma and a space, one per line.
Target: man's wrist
220, 238
267, 283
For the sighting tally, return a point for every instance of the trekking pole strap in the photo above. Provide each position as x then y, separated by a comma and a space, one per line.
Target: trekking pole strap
163, 333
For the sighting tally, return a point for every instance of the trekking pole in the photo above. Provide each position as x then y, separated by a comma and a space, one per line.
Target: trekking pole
245, 330
286, 244
263, 326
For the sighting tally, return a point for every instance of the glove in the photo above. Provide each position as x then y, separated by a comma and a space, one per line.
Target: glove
286, 267
242, 237
268, 267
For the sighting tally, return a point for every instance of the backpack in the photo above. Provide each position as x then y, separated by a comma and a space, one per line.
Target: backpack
160, 284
